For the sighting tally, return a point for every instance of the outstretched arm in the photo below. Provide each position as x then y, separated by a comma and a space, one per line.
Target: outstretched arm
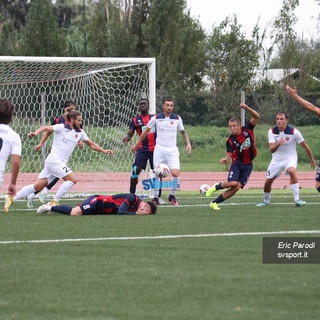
304, 103
44, 138
49, 129
96, 147
226, 160
255, 115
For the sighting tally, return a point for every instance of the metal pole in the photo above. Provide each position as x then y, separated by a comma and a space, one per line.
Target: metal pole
84, 28
243, 114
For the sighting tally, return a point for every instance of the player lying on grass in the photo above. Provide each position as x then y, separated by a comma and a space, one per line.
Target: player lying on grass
122, 204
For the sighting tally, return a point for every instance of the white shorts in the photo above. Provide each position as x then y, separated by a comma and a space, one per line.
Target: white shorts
276, 167
169, 156
56, 169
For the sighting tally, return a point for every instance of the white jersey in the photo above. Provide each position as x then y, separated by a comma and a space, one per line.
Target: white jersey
10, 143
289, 149
166, 129
64, 141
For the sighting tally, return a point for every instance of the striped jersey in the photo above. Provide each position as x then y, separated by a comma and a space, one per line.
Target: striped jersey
242, 147
126, 203
138, 124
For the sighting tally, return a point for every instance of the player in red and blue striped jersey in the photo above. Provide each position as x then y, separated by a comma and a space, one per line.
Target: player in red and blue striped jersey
310, 107
121, 204
242, 150
146, 148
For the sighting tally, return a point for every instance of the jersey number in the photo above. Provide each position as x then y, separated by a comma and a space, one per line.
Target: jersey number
66, 169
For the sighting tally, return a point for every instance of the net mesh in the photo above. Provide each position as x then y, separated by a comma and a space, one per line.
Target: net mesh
107, 95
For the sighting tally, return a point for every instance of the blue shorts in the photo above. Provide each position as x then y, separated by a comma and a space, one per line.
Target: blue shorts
318, 173
142, 157
240, 172
90, 208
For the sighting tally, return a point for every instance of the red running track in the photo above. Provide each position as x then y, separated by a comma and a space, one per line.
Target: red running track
190, 181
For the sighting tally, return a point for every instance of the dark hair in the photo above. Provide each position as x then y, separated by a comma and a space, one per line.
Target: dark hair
68, 103
282, 112
235, 119
73, 115
153, 207
143, 99
167, 99
6, 111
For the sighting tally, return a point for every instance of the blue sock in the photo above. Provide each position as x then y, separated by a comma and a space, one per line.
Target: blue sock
219, 199
218, 187
62, 209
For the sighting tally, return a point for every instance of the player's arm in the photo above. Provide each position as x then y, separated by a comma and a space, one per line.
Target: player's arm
226, 159
126, 204
129, 135
309, 153
255, 115
44, 138
14, 174
274, 146
49, 129
186, 140
141, 138
96, 147
304, 103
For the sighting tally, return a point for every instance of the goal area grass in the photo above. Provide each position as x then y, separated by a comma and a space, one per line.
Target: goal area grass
185, 262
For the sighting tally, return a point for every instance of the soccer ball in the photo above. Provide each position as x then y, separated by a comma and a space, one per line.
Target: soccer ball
204, 188
162, 170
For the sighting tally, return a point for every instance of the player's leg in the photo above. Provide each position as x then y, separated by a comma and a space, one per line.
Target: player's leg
158, 157
60, 169
25, 191
44, 193
139, 164
318, 179
173, 161
274, 171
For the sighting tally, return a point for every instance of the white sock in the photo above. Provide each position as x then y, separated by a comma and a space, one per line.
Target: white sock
156, 190
64, 188
45, 191
267, 196
295, 190
31, 195
25, 191
175, 182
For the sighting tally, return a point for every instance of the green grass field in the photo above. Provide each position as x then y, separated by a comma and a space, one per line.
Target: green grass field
132, 267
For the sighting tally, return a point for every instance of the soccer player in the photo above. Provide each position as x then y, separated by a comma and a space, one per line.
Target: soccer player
166, 150
283, 140
122, 204
242, 150
310, 107
66, 137
145, 151
68, 106
10, 144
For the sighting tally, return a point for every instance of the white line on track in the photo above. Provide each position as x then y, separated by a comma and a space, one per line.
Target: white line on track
206, 235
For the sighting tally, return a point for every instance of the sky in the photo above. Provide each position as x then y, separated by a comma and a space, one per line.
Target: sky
211, 12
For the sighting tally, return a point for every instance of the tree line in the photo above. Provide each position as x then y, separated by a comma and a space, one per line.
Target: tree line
203, 71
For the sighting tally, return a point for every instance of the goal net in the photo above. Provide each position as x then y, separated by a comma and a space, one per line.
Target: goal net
106, 92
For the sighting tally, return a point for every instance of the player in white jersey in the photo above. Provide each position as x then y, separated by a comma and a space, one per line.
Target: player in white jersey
10, 144
310, 107
66, 137
166, 150
283, 140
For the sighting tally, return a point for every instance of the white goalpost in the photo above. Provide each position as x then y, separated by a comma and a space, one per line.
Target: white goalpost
106, 92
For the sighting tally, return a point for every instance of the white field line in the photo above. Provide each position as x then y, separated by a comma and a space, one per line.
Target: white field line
206, 235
